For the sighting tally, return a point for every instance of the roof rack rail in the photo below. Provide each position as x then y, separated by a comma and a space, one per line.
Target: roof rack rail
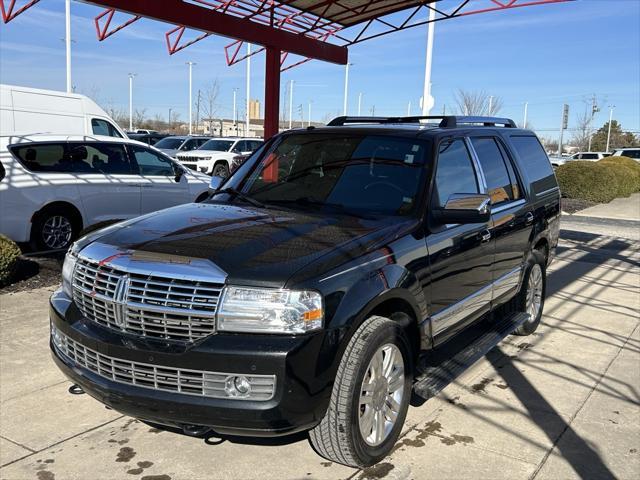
446, 121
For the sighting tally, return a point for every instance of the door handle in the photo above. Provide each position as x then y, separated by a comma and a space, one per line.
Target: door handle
529, 218
485, 236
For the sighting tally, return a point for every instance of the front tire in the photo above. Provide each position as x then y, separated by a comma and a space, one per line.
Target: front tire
532, 292
370, 396
55, 228
220, 169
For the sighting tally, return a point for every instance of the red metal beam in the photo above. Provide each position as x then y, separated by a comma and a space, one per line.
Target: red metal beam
210, 21
104, 32
272, 93
7, 12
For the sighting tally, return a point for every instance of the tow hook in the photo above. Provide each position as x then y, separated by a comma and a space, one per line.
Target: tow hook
195, 430
76, 389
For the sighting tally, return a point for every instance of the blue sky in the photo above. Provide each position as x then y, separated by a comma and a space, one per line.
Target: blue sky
546, 55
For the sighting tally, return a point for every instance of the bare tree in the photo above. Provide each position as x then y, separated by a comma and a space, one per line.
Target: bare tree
139, 117
477, 103
583, 131
210, 106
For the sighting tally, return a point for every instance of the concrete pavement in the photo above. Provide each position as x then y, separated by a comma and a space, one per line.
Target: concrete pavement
563, 403
619, 208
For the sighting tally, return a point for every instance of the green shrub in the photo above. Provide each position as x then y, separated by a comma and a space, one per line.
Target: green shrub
598, 181
9, 253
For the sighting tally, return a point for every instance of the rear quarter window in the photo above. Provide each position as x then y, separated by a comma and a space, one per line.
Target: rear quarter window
534, 162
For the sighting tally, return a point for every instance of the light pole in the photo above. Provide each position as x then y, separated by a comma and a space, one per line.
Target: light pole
611, 107
67, 38
359, 103
427, 99
290, 104
346, 88
309, 122
526, 108
169, 118
131, 75
235, 110
248, 113
491, 105
409, 110
191, 64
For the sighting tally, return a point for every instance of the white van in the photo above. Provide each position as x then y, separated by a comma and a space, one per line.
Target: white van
30, 110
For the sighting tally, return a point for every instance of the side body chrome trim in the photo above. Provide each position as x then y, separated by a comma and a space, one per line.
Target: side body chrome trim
466, 307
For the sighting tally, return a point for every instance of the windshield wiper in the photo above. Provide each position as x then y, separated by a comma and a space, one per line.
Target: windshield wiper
241, 196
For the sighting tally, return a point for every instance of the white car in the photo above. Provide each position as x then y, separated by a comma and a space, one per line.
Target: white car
627, 152
215, 157
590, 156
53, 186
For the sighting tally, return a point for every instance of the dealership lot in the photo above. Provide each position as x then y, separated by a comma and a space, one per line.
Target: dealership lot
562, 403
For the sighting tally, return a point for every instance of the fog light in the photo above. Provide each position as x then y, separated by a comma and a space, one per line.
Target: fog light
237, 386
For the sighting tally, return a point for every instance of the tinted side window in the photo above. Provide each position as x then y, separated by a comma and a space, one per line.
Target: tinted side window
499, 184
201, 141
107, 158
534, 163
455, 173
3, 173
150, 163
240, 146
631, 153
189, 145
589, 156
102, 127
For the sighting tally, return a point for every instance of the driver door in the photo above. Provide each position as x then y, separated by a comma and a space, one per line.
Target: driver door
157, 175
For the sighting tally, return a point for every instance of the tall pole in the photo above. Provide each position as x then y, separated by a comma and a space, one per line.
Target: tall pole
67, 38
169, 118
235, 109
131, 75
526, 109
191, 64
248, 115
427, 99
346, 88
491, 105
409, 110
309, 122
290, 104
359, 103
611, 107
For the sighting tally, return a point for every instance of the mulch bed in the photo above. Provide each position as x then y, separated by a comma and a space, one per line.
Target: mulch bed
36, 272
573, 205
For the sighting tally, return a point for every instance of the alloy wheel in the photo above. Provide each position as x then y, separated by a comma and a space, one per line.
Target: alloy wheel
57, 231
534, 292
381, 394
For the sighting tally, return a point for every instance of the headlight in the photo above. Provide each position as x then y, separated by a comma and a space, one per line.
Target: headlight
263, 310
67, 271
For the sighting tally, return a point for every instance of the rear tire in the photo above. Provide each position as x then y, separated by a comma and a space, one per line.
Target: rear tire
55, 228
370, 396
530, 298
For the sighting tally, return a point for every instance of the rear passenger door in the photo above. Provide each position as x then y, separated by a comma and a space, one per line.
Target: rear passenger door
511, 217
157, 177
460, 255
108, 187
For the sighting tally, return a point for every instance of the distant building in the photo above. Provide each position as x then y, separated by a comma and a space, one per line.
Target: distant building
254, 109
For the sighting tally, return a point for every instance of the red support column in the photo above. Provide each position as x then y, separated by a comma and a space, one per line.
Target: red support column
272, 93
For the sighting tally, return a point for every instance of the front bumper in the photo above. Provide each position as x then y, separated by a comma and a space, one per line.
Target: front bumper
303, 367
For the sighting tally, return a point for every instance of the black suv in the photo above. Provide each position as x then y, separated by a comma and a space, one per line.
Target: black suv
303, 294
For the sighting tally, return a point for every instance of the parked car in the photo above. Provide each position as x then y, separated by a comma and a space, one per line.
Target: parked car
180, 143
306, 292
627, 152
31, 110
216, 156
592, 156
146, 131
55, 185
148, 138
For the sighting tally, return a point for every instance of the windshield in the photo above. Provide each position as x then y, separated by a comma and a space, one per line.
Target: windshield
217, 145
366, 174
169, 143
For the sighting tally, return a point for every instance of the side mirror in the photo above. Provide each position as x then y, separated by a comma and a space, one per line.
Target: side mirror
214, 183
465, 208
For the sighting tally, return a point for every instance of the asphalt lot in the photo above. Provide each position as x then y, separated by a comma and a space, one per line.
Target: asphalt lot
562, 403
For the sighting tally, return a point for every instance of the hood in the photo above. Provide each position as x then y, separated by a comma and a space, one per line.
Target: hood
200, 153
262, 247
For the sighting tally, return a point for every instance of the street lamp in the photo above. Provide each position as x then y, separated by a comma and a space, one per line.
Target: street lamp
131, 76
611, 107
235, 110
191, 64
291, 104
346, 88
67, 9
427, 99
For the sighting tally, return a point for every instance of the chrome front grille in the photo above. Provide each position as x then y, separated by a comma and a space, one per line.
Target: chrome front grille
169, 379
143, 304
